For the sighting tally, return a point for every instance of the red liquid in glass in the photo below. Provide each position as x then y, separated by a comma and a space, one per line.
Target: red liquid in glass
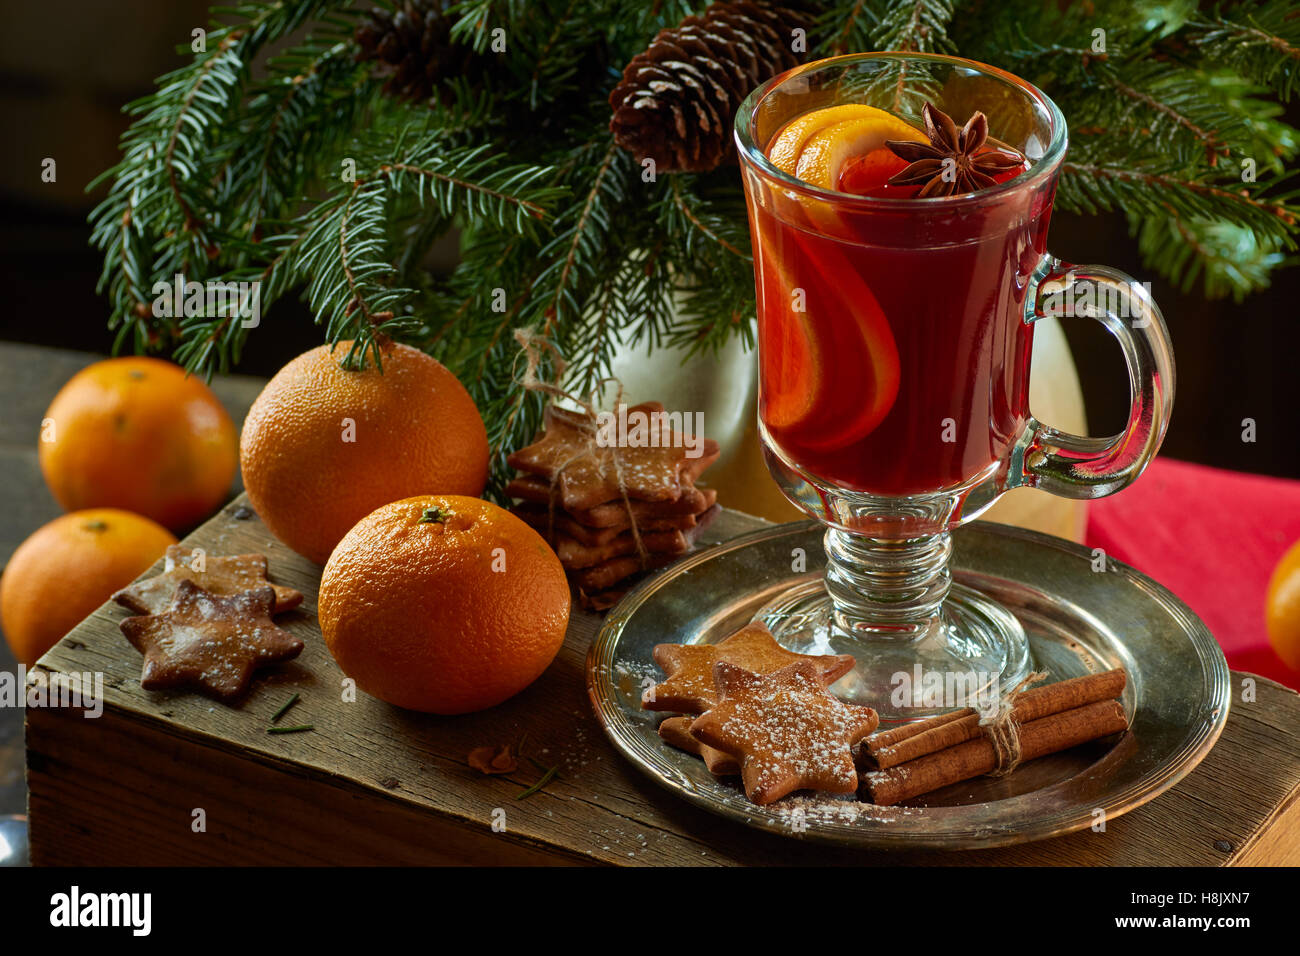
893, 352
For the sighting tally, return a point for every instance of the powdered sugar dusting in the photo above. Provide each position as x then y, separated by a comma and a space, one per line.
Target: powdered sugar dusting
789, 729
821, 809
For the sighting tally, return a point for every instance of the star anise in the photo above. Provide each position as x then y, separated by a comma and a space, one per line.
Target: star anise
952, 162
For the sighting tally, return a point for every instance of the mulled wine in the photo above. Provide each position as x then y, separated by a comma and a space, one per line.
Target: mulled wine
893, 351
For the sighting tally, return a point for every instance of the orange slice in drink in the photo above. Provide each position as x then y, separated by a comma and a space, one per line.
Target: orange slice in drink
817, 407
826, 151
803, 397
790, 373
787, 145
848, 408
816, 146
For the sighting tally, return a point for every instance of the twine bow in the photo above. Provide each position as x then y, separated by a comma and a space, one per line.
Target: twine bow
533, 347
1002, 730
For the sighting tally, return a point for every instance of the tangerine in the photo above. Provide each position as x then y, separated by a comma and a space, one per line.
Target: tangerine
323, 445
139, 434
1282, 608
443, 604
69, 567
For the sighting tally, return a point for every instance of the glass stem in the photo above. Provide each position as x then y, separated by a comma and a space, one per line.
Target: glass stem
887, 590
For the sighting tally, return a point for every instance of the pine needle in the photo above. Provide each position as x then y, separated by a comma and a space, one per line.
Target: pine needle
547, 777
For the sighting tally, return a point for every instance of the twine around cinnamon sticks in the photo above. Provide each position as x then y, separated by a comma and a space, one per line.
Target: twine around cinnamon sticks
907, 761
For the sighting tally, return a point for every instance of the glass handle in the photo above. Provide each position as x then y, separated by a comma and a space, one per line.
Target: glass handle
1074, 466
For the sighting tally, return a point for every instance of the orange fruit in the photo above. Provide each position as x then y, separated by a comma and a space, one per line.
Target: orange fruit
788, 145
141, 435
443, 604
826, 151
68, 568
1282, 608
323, 446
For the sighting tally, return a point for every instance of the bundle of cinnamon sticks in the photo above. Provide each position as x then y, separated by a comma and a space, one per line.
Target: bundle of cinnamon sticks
913, 759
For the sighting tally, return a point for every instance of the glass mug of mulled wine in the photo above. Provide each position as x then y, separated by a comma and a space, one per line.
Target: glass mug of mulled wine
898, 207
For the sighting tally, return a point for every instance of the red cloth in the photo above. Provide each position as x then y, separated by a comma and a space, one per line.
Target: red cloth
1212, 537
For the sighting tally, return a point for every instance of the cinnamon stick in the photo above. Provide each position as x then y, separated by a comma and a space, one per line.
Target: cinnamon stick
1046, 735
912, 741
896, 735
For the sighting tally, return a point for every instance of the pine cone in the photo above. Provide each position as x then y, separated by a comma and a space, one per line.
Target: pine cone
413, 46
676, 101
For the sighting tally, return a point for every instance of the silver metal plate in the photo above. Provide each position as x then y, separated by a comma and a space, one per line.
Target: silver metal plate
1078, 621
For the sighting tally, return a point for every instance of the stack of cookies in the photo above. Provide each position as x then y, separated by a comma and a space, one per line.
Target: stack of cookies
613, 505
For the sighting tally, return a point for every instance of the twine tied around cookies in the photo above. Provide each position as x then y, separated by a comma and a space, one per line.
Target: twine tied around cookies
533, 348
1001, 729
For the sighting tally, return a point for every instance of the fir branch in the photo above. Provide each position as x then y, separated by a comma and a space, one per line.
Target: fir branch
180, 158
306, 104
1259, 40
162, 199
1224, 258
1263, 136
353, 275
1054, 49
1189, 228
1173, 99
544, 59
849, 24
512, 423
211, 344
476, 19
488, 193
583, 239
1097, 187
694, 221
917, 26
1145, 97
345, 252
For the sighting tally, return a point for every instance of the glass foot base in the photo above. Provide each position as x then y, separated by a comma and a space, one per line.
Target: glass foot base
972, 652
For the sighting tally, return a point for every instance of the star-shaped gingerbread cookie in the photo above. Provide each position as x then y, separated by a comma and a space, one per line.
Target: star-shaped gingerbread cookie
786, 730
689, 685
209, 642
219, 575
676, 732
586, 473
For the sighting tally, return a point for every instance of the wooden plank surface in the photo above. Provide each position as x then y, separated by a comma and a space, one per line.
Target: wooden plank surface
30, 377
373, 783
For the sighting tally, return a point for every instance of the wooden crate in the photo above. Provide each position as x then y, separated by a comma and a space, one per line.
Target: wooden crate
373, 784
